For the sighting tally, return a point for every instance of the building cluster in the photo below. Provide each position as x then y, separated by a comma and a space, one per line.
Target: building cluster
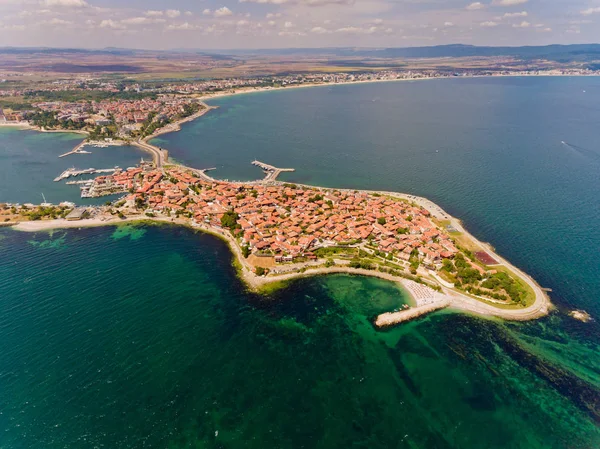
287, 221
120, 112
215, 85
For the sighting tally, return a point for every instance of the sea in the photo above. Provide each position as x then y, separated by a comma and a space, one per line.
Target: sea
143, 336
29, 162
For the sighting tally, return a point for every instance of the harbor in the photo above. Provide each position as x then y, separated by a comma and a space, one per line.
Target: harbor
271, 171
73, 172
79, 149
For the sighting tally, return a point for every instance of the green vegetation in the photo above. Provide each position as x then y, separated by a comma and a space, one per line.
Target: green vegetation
365, 264
85, 95
229, 220
44, 119
40, 212
334, 250
103, 132
500, 285
260, 271
245, 251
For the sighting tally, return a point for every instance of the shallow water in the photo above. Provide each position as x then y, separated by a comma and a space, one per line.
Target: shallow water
144, 337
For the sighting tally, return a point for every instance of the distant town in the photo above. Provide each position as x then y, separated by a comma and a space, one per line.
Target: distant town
119, 109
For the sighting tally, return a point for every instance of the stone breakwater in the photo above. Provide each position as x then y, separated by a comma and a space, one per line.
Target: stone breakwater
392, 318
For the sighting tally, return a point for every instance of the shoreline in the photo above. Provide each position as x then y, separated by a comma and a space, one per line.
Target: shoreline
423, 296
158, 154
453, 298
250, 89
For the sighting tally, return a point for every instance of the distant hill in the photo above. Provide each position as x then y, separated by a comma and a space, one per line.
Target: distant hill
563, 53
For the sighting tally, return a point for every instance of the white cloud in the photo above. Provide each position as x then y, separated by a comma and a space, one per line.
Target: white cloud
291, 33
271, 23
223, 12
12, 27
288, 25
302, 2
448, 24
66, 3
173, 13
182, 27
272, 2
152, 13
56, 21
515, 14
488, 24
590, 11
109, 23
356, 30
318, 30
523, 24
475, 6
206, 12
272, 15
508, 2
189, 13
242, 23
141, 21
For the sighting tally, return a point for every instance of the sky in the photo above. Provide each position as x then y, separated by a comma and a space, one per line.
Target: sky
226, 24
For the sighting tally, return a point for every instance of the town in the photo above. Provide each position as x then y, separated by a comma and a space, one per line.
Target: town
280, 228
131, 108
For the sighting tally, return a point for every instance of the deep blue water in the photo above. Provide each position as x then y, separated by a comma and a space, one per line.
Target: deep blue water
488, 150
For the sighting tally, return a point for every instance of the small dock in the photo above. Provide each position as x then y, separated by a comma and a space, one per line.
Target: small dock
202, 174
73, 172
77, 150
271, 171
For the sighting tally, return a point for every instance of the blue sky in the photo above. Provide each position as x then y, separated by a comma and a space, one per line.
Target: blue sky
222, 24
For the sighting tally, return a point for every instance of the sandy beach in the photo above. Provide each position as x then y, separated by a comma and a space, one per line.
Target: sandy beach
251, 89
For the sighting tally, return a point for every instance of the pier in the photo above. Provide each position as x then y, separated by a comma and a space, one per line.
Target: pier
72, 172
77, 149
271, 171
202, 174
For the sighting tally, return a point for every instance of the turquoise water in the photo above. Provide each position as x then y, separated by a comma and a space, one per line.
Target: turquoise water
144, 337
29, 162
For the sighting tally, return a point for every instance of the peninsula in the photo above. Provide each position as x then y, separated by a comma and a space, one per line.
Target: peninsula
279, 231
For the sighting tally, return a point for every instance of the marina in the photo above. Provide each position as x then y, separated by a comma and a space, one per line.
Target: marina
96, 144
73, 172
271, 171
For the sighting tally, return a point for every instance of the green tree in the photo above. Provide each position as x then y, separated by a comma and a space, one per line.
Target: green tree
245, 251
229, 220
